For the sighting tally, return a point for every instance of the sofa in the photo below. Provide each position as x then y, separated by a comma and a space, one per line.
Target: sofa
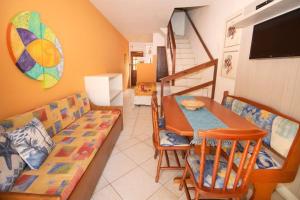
278, 160
84, 136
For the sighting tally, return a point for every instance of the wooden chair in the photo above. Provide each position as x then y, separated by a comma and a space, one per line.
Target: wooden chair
223, 171
165, 141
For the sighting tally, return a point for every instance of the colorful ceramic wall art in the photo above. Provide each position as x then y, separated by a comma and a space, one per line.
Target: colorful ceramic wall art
35, 49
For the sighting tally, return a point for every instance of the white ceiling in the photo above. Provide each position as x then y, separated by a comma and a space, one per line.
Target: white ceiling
138, 19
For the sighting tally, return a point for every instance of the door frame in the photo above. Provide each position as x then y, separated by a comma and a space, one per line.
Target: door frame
133, 73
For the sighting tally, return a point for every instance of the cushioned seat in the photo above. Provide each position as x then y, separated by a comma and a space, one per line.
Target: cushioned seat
194, 163
168, 138
264, 159
76, 145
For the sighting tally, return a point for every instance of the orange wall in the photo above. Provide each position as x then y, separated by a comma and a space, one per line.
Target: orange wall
147, 72
91, 45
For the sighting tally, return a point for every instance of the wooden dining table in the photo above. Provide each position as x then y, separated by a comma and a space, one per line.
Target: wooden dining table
176, 121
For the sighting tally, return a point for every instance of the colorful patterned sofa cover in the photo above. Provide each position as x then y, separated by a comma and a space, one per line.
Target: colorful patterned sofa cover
78, 133
280, 131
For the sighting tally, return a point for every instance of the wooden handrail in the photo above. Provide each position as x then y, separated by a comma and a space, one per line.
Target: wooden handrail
213, 63
197, 87
190, 71
199, 36
172, 43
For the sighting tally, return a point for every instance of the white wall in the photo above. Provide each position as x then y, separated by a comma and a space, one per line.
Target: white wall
274, 82
158, 40
144, 47
178, 23
210, 22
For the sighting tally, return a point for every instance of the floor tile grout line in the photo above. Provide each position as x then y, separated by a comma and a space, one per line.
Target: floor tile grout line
138, 165
116, 191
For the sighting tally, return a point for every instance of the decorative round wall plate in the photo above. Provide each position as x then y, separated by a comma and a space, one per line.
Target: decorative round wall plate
35, 49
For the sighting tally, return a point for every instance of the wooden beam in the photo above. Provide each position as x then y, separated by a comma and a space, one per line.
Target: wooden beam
190, 70
197, 87
199, 36
215, 81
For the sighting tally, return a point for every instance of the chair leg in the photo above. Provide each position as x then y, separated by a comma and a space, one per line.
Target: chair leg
155, 153
183, 154
177, 159
161, 154
167, 158
186, 191
263, 191
183, 177
196, 194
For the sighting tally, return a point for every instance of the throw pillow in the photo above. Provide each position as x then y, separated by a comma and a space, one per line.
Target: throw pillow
32, 142
11, 164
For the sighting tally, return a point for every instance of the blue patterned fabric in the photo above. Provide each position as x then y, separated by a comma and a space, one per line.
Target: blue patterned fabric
200, 119
32, 143
238, 106
228, 102
172, 139
161, 122
11, 165
284, 132
194, 163
281, 131
263, 160
261, 118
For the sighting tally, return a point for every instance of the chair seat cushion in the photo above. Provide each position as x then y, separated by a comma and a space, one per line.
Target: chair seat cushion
264, 159
194, 163
168, 138
75, 148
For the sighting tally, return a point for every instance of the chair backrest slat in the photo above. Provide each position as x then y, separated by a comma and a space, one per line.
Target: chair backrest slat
242, 165
228, 173
154, 111
202, 161
216, 164
229, 166
252, 162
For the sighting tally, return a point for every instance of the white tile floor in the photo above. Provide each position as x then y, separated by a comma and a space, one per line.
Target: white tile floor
130, 171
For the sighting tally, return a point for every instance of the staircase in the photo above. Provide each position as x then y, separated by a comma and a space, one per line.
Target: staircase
185, 59
186, 76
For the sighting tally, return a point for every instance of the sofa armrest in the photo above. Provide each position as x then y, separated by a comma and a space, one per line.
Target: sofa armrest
26, 196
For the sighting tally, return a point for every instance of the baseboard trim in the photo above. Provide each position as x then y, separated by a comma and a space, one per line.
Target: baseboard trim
285, 192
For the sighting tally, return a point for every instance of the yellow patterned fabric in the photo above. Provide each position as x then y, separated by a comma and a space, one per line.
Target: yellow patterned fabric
55, 116
145, 89
75, 148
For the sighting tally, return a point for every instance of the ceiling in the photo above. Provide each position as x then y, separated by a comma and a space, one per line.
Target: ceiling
138, 19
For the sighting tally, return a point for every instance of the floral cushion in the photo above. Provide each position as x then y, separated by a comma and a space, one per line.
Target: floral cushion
263, 161
32, 143
261, 118
228, 102
238, 106
172, 139
75, 148
281, 131
194, 163
55, 116
11, 164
